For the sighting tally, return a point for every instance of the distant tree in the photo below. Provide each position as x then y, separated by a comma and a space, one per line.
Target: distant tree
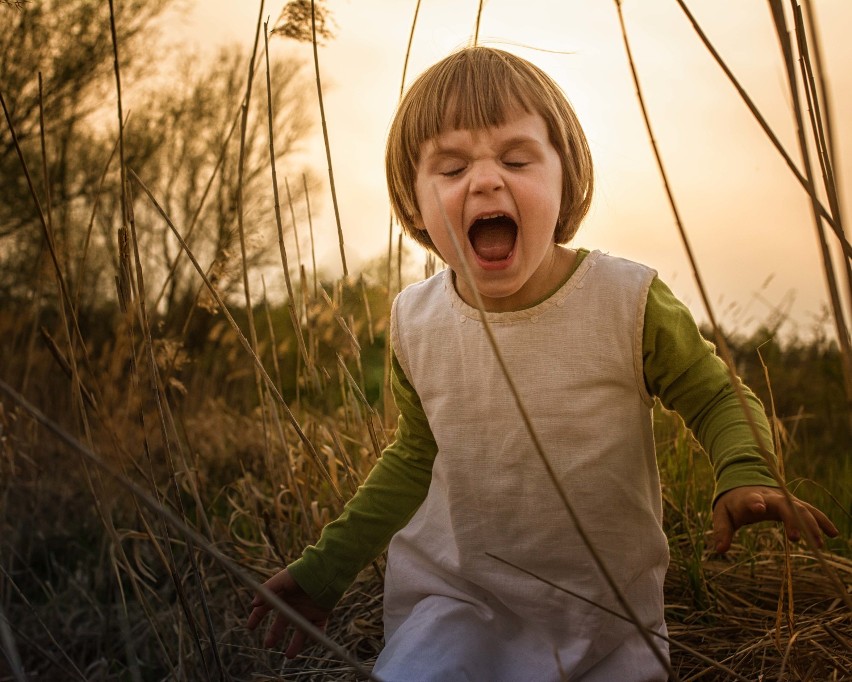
174, 146
174, 136
69, 42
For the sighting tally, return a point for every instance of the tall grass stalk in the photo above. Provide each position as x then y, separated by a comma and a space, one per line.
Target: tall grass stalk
843, 340
291, 296
10, 649
325, 139
46, 169
401, 91
823, 93
816, 118
294, 223
824, 155
787, 581
467, 275
363, 283
722, 344
311, 232
478, 19
241, 229
761, 120
388, 405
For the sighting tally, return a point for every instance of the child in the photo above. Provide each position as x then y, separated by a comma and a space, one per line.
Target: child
486, 142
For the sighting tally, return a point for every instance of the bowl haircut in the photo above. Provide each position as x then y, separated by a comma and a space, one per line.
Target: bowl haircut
476, 88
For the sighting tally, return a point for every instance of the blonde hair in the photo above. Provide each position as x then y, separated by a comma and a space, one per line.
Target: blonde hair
475, 88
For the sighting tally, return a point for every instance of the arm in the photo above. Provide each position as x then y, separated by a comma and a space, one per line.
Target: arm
388, 498
682, 369
390, 495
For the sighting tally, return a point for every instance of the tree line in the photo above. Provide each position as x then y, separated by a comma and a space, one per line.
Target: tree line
182, 136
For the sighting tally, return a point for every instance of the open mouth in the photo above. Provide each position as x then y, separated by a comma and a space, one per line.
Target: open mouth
493, 237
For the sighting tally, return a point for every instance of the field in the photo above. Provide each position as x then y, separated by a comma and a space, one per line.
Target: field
158, 461
98, 585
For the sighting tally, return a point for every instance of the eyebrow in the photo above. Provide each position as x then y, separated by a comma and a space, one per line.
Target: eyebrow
438, 149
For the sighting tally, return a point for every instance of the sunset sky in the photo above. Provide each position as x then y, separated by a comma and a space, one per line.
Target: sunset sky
747, 217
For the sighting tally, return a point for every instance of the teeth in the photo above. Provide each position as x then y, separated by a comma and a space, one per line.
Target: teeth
491, 216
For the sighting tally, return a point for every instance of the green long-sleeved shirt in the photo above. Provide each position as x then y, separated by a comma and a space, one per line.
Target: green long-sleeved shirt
680, 368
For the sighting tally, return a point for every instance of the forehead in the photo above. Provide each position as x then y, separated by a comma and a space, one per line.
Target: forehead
462, 106
520, 128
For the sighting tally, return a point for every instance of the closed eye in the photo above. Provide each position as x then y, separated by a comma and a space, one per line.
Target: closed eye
452, 172
516, 164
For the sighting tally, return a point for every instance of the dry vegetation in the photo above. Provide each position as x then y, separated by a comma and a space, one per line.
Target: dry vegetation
97, 586
167, 464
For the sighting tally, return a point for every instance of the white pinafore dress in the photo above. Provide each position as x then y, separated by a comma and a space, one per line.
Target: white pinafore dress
453, 611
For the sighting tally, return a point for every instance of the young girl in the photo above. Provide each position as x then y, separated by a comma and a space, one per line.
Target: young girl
486, 145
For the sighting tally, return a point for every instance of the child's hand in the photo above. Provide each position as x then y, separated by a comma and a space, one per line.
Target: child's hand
750, 504
283, 585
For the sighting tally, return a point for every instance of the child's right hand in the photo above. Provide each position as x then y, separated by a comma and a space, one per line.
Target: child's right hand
283, 585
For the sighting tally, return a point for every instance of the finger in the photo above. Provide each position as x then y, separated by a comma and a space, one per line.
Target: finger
257, 615
297, 643
276, 632
811, 525
823, 521
799, 520
755, 505
723, 528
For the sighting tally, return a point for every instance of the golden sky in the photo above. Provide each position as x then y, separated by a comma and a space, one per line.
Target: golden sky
746, 215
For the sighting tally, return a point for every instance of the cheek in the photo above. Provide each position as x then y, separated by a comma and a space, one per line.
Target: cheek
419, 206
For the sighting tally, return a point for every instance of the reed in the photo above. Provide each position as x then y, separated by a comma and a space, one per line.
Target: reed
831, 280
331, 184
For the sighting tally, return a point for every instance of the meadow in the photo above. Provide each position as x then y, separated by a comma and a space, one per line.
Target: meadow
156, 464
98, 585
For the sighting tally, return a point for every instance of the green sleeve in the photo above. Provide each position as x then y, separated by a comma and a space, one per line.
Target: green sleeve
684, 372
388, 498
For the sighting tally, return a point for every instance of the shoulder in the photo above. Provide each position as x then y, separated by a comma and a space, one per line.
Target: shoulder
422, 300
617, 281
623, 266
419, 308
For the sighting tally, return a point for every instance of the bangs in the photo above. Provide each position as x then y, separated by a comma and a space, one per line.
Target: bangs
477, 89
476, 101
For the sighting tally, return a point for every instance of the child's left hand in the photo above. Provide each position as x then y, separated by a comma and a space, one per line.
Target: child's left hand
752, 503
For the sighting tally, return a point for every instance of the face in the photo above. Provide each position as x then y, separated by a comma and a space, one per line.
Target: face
501, 190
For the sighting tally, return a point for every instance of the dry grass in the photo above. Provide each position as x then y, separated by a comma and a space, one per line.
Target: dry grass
74, 605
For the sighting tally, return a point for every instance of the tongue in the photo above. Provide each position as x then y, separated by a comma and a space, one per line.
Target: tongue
493, 240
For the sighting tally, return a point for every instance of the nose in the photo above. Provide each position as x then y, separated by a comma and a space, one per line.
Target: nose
485, 177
